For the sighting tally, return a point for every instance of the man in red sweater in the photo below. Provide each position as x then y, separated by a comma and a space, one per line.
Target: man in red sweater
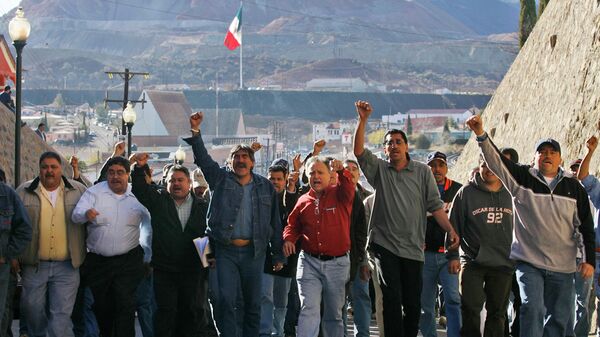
321, 219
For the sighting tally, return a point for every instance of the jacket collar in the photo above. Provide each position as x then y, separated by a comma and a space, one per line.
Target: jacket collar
36, 182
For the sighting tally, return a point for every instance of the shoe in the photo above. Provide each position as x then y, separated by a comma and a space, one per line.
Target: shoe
442, 321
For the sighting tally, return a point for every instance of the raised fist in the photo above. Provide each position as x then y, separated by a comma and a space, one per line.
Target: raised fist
141, 159
364, 109
196, 120
318, 146
119, 149
475, 124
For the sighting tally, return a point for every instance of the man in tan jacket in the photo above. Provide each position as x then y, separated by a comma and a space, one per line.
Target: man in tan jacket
50, 264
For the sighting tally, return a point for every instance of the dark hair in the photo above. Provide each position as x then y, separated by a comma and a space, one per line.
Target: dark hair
179, 168
277, 168
7, 88
395, 132
50, 154
514, 155
41, 124
2, 176
119, 161
328, 161
242, 147
351, 161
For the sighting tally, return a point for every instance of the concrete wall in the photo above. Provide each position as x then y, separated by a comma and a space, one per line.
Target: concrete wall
551, 90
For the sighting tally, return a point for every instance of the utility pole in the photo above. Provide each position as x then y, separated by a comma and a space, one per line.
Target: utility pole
126, 76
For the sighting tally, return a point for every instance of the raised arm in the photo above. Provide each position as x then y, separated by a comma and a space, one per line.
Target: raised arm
146, 194
213, 173
364, 110
584, 167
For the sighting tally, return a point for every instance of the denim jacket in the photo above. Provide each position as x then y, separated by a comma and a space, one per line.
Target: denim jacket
15, 226
226, 201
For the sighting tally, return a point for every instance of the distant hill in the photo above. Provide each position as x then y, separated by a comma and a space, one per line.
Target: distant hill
180, 41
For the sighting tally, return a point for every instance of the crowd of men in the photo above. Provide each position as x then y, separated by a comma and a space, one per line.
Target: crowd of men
295, 253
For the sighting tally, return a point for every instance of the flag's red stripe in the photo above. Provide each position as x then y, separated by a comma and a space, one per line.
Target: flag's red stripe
230, 42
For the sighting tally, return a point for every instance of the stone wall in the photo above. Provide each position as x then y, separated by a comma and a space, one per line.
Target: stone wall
551, 90
31, 149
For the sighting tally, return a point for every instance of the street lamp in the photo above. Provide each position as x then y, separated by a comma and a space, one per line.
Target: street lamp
18, 29
129, 118
179, 156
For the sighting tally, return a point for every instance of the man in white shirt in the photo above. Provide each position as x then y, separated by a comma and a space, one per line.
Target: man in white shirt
114, 264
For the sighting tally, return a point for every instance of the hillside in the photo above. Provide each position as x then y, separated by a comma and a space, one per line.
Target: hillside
180, 41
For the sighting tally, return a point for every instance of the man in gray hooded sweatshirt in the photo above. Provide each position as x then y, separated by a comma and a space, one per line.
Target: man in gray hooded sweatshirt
482, 215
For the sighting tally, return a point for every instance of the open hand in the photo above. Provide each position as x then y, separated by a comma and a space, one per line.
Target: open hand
318, 146
119, 149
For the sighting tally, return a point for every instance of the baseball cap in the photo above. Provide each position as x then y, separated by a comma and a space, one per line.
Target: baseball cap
576, 162
437, 155
282, 163
547, 141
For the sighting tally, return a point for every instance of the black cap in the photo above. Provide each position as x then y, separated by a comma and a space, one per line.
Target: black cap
547, 141
437, 155
514, 155
282, 163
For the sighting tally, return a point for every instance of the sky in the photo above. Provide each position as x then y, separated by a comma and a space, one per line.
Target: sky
7, 5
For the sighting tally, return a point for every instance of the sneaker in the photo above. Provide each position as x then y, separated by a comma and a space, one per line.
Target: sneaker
442, 321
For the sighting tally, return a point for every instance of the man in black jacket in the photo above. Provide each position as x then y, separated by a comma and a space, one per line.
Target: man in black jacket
178, 217
435, 269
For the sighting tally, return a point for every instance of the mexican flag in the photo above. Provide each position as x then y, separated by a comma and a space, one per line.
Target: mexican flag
233, 39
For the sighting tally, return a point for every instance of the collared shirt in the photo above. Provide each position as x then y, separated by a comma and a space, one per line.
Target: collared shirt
403, 198
323, 222
184, 210
116, 229
242, 229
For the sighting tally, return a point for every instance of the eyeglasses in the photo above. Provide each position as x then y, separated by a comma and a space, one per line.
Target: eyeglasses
119, 173
392, 142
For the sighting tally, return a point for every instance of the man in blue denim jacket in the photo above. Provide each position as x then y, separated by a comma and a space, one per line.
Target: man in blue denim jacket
242, 219
15, 235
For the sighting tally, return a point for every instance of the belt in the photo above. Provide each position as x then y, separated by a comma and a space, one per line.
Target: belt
240, 242
323, 257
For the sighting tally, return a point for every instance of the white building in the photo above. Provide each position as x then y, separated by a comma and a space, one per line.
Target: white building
458, 115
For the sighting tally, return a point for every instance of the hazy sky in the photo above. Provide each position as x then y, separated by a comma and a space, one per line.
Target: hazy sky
7, 5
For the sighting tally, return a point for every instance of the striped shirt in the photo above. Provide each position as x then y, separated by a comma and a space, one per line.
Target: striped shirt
184, 210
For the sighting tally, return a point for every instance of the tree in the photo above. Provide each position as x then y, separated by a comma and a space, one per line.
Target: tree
409, 127
527, 20
59, 101
422, 142
101, 112
541, 6
376, 137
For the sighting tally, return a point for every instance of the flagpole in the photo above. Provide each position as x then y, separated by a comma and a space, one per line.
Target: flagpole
241, 53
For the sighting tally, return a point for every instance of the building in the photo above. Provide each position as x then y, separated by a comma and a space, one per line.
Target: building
457, 115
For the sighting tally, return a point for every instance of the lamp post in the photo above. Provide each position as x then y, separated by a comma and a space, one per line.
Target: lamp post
179, 156
129, 118
18, 29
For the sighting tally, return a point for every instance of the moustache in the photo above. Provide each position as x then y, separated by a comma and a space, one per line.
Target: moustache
241, 165
49, 175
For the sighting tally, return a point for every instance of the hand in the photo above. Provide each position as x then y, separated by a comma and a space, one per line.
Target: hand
278, 266
196, 120
591, 144
256, 146
74, 162
586, 270
454, 240
475, 124
141, 159
119, 149
454, 266
336, 165
91, 214
365, 273
364, 109
293, 179
318, 147
297, 163
132, 158
15, 266
288, 248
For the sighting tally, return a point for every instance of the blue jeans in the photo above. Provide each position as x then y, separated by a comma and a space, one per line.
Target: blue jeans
146, 306
51, 285
579, 323
321, 281
361, 305
435, 270
238, 266
273, 304
547, 301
